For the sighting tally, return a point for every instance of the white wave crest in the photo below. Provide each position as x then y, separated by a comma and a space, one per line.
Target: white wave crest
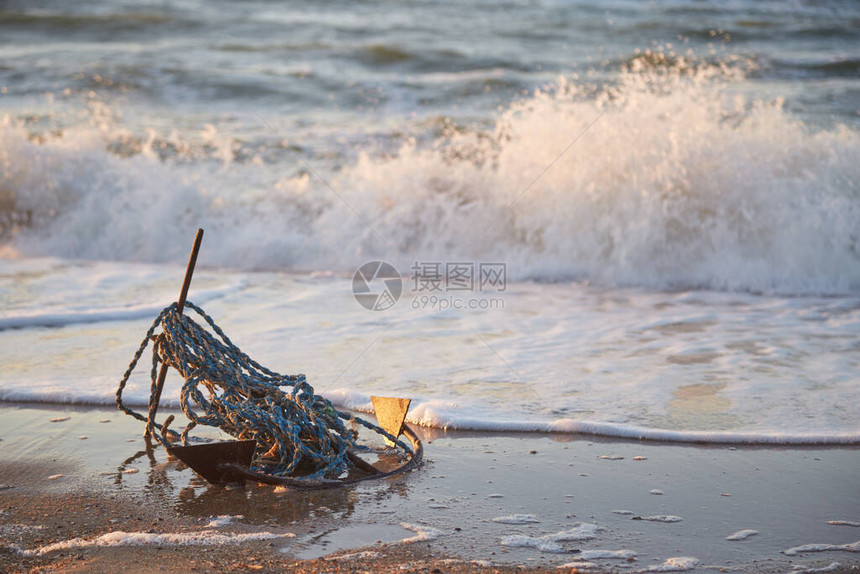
665, 179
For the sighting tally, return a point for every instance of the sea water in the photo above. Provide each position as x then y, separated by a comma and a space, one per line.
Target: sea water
664, 198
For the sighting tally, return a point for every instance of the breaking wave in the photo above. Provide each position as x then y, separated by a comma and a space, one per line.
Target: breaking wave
667, 177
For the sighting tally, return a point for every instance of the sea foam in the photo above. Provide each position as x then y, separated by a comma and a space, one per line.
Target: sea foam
664, 178
121, 538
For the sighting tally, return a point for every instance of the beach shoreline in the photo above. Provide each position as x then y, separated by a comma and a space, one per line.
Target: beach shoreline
481, 502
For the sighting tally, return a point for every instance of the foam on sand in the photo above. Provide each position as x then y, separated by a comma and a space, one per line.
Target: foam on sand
551, 542
516, 519
666, 518
794, 551
422, 532
675, 564
622, 554
120, 538
833, 566
741, 535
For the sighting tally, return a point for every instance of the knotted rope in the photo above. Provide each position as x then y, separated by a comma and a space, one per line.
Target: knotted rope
296, 430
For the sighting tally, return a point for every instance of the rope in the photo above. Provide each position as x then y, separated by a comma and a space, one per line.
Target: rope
297, 431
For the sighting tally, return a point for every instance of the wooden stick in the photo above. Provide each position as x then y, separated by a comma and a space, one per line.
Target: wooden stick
180, 305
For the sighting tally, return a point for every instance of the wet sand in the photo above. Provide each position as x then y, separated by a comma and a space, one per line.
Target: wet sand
482, 502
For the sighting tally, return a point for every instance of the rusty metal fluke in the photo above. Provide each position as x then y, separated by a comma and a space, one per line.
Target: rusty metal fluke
212, 460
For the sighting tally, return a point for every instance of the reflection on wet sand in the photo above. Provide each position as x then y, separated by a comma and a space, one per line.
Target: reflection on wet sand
170, 484
264, 504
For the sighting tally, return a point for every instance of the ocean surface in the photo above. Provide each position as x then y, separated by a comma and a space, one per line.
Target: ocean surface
634, 219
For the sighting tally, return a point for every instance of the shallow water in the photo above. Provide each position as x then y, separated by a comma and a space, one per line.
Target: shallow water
566, 356
671, 189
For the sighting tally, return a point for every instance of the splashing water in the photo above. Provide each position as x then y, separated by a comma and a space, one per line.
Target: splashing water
668, 177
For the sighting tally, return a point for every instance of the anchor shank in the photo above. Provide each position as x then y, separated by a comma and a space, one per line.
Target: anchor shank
180, 305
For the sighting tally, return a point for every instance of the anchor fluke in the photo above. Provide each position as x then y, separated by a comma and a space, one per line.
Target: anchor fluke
208, 459
390, 413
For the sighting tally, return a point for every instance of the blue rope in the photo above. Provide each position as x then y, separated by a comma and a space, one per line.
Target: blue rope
295, 429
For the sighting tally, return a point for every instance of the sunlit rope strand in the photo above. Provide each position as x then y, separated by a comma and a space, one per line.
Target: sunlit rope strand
296, 430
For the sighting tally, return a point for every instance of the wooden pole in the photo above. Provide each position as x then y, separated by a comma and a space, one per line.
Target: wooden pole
180, 305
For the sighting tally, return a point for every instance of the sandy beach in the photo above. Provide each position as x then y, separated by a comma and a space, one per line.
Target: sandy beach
80, 493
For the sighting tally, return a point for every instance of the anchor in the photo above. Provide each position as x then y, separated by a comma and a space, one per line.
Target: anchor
251, 386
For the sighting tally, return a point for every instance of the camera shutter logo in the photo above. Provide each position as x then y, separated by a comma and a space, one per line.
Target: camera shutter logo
377, 286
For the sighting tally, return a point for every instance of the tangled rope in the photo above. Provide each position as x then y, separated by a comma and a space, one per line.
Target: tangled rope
297, 431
